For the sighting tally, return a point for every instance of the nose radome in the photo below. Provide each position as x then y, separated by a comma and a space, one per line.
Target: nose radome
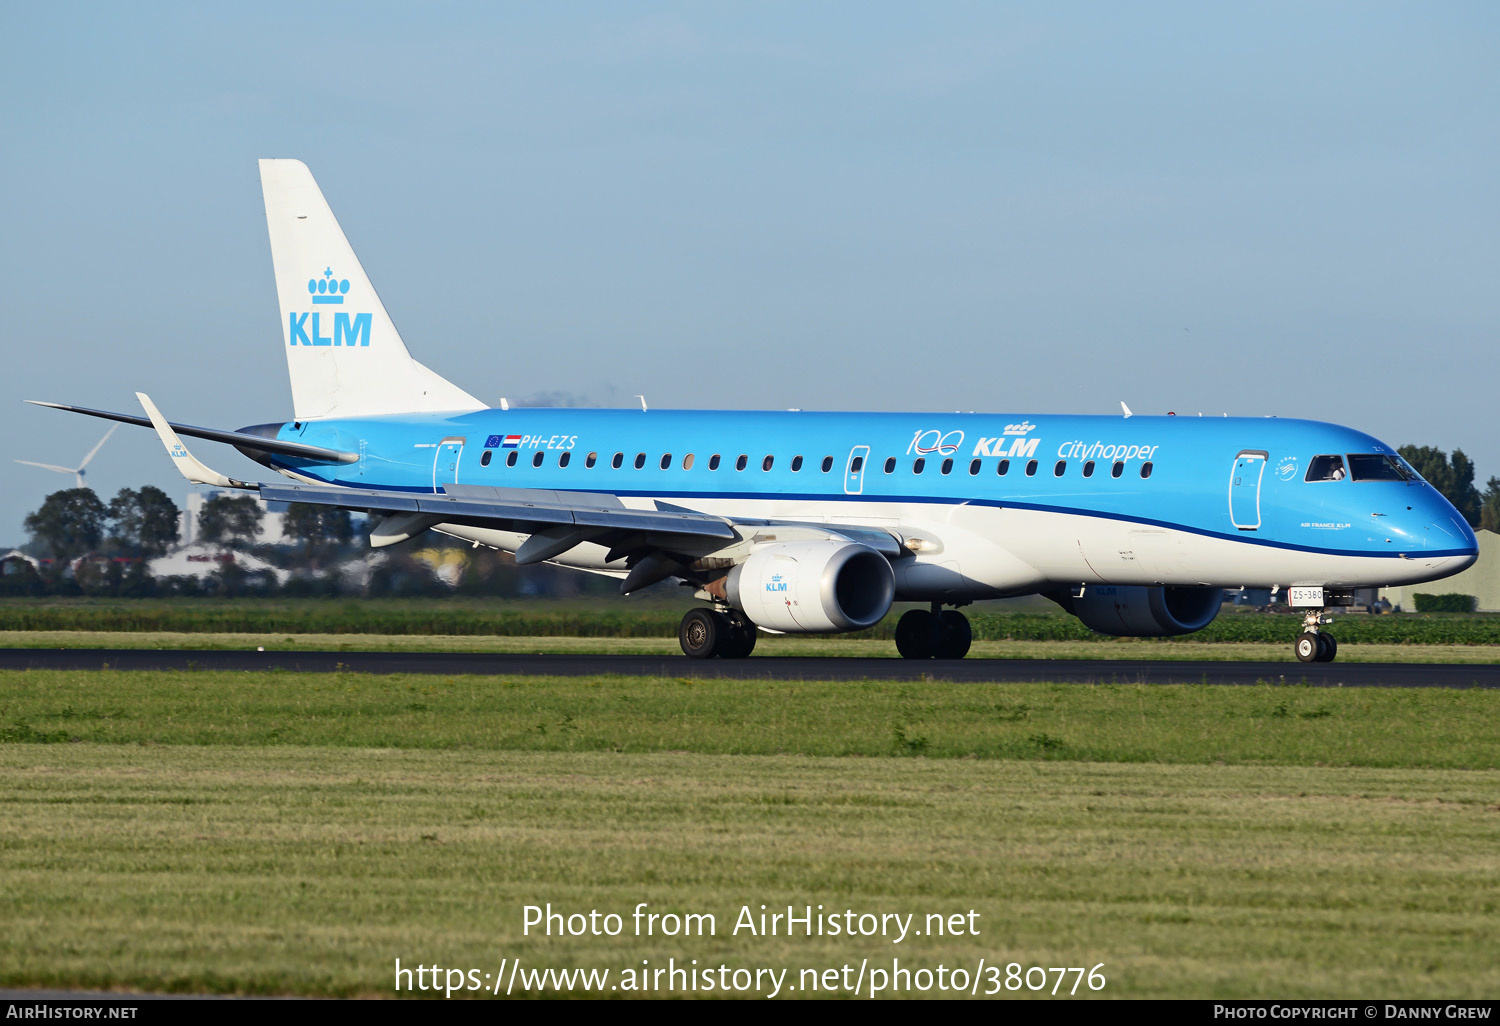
1451, 533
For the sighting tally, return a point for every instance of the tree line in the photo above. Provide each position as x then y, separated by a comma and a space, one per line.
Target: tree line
144, 524
89, 547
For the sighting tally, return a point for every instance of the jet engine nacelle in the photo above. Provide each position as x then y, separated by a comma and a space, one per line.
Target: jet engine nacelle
813, 587
1141, 612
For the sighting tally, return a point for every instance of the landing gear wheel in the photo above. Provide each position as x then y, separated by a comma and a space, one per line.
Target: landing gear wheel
957, 635
914, 634
702, 633
1308, 647
921, 634
739, 642
1330, 648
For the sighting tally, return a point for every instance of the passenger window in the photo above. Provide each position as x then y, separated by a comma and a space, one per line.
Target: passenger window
510, 458
796, 464
827, 464
1031, 468
1117, 469
1145, 470
1326, 468
742, 462
1003, 467
564, 459
687, 462
640, 460
536, 461
713, 462
765, 464
666, 460
618, 461
484, 460
974, 467
890, 464
918, 465
1062, 466
590, 460
947, 467
1088, 469
1375, 467
856, 465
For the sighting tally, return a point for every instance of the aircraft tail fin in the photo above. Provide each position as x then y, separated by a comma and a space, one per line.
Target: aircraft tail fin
344, 355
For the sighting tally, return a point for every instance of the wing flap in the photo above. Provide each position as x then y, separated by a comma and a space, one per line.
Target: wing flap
521, 510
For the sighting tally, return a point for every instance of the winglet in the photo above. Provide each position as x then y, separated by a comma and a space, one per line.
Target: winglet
187, 463
1128, 414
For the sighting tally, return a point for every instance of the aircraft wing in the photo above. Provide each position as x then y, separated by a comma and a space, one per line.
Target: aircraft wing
657, 543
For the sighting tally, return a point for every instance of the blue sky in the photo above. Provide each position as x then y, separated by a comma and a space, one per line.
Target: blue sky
1279, 209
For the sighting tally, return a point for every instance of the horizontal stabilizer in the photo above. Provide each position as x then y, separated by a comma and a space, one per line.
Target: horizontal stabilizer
237, 438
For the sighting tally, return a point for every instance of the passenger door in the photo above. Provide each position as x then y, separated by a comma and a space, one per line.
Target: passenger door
1244, 489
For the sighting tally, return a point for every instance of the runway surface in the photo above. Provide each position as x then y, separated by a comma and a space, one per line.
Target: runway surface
1077, 671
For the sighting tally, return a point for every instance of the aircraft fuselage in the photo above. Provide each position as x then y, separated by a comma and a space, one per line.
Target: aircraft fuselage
989, 505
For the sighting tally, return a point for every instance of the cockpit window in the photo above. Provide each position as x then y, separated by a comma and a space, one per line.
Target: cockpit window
1376, 467
1325, 468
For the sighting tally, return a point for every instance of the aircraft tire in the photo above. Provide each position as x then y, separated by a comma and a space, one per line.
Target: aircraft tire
740, 641
1307, 647
1329, 647
957, 635
914, 634
702, 633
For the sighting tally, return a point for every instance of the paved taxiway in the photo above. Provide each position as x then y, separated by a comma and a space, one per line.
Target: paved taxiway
1077, 671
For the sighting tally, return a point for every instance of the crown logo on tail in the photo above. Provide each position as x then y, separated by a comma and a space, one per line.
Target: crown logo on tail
327, 289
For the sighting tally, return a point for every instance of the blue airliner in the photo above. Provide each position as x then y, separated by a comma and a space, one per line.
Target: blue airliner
803, 522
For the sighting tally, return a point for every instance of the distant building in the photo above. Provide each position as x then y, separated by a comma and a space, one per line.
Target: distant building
1482, 580
201, 561
271, 528
17, 556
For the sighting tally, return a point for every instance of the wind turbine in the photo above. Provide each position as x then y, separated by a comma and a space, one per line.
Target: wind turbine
77, 471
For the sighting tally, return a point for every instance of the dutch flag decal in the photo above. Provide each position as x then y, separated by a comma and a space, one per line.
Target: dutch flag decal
511, 441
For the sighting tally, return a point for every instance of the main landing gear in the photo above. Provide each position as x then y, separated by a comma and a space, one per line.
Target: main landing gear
1312, 645
935, 634
705, 633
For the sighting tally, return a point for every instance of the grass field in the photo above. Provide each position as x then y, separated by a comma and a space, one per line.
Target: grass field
290, 833
311, 870
1285, 725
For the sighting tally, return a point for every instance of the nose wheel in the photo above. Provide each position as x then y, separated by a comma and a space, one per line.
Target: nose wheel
1312, 645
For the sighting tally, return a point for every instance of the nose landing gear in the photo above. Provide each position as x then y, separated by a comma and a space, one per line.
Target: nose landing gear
1312, 645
